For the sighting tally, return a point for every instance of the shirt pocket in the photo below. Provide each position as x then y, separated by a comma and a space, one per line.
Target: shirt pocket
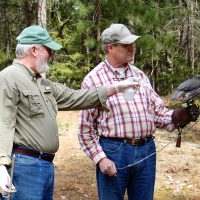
32, 103
51, 100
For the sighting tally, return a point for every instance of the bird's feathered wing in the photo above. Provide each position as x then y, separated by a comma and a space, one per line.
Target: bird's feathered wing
188, 89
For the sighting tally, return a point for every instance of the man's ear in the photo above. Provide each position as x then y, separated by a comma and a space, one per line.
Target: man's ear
110, 47
33, 51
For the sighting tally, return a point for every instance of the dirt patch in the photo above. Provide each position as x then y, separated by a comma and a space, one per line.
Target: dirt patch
178, 169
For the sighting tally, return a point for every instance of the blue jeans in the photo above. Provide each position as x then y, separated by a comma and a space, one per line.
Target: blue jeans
33, 179
138, 180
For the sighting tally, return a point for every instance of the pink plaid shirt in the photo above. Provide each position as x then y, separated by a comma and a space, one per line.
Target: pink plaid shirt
126, 119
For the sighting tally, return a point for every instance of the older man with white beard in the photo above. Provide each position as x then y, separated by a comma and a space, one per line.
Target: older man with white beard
29, 104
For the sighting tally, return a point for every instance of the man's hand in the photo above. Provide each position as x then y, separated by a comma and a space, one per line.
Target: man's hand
183, 116
5, 181
169, 127
107, 167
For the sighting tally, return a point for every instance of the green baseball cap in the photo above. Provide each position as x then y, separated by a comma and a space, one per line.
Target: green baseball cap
37, 35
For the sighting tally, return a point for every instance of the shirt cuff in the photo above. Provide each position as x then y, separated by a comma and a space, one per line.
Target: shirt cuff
102, 94
98, 157
5, 159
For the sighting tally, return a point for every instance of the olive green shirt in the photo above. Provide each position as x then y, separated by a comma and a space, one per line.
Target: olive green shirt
28, 108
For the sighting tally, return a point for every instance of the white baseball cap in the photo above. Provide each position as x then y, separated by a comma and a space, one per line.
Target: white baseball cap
118, 34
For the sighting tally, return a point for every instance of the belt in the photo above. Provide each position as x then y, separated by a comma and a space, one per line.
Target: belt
35, 154
132, 141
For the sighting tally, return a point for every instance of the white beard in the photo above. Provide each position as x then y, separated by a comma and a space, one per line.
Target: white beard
41, 65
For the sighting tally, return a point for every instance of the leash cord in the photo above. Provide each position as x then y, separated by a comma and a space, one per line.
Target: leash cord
135, 163
183, 133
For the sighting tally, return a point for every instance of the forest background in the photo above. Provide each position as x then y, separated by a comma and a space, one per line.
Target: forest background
168, 50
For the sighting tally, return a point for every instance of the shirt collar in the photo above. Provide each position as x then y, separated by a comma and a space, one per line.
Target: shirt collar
114, 70
27, 70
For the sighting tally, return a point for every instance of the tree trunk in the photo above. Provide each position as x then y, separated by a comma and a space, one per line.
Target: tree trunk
7, 32
42, 13
98, 31
191, 37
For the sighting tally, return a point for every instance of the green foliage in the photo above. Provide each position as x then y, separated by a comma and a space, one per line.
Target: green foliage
163, 51
5, 60
71, 71
90, 43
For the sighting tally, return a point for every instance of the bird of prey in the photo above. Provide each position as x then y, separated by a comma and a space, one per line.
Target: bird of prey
188, 89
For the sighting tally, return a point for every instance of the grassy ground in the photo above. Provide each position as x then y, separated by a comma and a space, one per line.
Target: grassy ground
178, 169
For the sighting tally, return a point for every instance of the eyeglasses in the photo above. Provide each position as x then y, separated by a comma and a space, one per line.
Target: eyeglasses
48, 50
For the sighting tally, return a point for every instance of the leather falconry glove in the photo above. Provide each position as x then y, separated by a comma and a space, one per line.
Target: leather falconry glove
183, 116
5, 181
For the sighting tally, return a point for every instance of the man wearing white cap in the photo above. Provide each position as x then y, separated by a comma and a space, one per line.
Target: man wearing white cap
120, 141
28, 128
